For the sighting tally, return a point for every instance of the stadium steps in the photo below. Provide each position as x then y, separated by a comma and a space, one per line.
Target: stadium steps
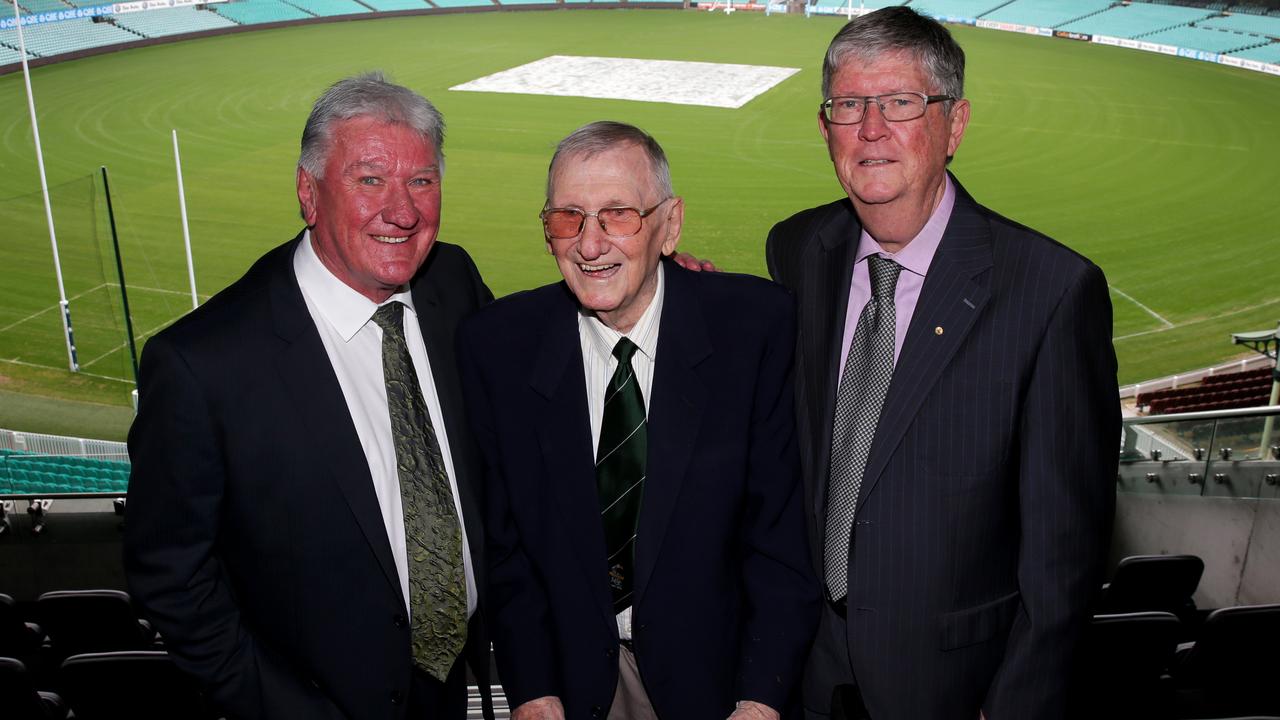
1088, 15
112, 21
1191, 23
1007, 3
39, 6
393, 5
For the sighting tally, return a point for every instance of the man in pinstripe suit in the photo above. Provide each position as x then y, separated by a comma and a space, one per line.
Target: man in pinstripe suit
957, 407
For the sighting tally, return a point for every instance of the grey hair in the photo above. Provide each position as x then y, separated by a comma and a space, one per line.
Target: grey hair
603, 135
367, 95
899, 29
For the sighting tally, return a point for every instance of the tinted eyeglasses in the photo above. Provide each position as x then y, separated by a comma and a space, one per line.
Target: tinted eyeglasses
621, 221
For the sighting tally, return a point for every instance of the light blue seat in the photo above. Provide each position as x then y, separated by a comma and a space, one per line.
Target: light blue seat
1045, 13
175, 21
1244, 22
1266, 53
252, 12
1137, 19
956, 8
330, 8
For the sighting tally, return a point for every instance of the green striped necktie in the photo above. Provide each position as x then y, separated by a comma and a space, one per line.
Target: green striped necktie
620, 472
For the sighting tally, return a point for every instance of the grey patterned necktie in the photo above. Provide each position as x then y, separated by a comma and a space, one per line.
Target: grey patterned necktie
863, 384
432, 533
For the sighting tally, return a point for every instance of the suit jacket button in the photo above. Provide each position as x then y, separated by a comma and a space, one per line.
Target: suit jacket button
597, 712
398, 620
396, 697
610, 653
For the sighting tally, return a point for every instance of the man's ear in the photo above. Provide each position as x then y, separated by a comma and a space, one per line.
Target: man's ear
307, 194
672, 226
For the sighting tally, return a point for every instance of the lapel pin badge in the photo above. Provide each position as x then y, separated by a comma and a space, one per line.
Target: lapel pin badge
937, 330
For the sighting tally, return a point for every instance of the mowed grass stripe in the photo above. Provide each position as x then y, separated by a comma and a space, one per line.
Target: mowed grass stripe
1158, 168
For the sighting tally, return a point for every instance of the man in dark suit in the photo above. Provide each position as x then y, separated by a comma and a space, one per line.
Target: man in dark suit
646, 543
957, 407
304, 489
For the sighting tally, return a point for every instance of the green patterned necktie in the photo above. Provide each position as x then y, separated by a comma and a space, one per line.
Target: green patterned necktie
432, 534
620, 472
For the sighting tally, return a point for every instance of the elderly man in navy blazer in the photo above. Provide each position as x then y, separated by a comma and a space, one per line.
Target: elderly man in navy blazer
646, 543
958, 412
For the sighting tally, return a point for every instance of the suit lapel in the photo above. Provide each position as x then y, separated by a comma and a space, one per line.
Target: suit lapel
678, 399
304, 369
564, 434
835, 253
952, 300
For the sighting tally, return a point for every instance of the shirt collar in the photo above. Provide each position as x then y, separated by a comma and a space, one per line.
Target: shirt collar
918, 254
645, 333
346, 310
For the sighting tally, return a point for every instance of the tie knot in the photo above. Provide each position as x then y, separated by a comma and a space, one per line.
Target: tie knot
884, 275
624, 350
389, 317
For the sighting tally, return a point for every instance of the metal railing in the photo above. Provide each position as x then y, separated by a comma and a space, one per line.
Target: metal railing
1218, 453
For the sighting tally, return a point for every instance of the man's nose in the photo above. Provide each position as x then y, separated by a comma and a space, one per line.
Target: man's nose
400, 210
873, 126
593, 242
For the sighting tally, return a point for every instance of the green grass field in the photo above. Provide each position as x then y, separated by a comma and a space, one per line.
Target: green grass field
1162, 170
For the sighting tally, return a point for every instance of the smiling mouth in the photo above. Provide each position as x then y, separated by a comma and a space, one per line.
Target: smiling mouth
388, 240
596, 270
874, 162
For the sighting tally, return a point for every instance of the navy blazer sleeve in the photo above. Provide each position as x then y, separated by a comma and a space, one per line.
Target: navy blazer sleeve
1069, 435
175, 493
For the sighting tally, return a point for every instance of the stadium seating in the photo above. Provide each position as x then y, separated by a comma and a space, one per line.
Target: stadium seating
329, 8
67, 36
1137, 19
958, 8
868, 4
1123, 661
1153, 583
21, 700
1243, 22
1231, 390
18, 639
461, 3
1046, 13
1202, 38
157, 23
249, 12
40, 6
28, 473
389, 5
10, 55
1266, 53
140, 685
87, 621
1231, 667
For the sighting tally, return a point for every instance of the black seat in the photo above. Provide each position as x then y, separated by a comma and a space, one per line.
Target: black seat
18, 639
1231, 668
86, 621
139, 685
1153, 583
21, 700
1122, 666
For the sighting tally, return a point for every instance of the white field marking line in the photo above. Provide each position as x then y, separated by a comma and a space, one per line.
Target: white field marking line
16, 361
1197, 321
77, 296
38, 313
1149, 311
125, 344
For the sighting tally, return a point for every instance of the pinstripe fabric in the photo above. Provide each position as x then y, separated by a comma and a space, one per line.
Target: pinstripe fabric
986, 504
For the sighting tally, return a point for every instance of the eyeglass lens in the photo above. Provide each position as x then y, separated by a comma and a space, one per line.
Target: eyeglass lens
563, 223
896, 107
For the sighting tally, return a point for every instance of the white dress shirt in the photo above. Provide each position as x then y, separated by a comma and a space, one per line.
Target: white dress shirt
353, 342
598, 364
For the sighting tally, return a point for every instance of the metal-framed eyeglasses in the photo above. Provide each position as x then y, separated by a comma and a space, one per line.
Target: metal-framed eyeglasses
894, 107
620, 221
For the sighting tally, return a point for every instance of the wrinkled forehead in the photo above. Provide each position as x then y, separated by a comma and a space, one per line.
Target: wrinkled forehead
620, 166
